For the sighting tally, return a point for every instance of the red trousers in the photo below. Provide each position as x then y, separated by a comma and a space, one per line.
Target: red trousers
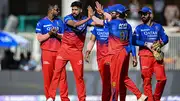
119, 76
76, 59
48, 65
149, 65
104, 70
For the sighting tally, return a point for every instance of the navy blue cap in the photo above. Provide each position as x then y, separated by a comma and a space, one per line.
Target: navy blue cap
145, 10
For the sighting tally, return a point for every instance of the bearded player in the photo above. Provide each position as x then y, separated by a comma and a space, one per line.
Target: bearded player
49, 32
150, 37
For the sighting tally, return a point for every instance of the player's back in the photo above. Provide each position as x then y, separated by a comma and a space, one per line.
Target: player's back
101, 34
74, 37
118, 35
44, 26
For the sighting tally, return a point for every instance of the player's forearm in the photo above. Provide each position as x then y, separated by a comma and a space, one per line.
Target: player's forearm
80, 22
133, 48
90, 45
42, 37
107, 16
97, 21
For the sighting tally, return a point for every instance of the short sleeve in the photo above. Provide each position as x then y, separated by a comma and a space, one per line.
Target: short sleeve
93, 31
67, 18
106, 23
39, 27
61, 27
89, 22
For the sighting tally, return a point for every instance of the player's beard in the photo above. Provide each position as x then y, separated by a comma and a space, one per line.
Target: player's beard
113, 17
55, 15
145, 20
77, 16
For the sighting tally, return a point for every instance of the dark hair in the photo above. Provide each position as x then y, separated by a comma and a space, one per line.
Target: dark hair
122, 15
77, 4
50, 7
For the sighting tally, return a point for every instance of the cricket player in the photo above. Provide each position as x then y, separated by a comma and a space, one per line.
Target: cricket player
71, 50
49, 31
150, 37
100, 36
120, 45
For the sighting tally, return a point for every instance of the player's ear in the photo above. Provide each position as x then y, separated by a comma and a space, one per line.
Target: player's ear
80, 10
151, 15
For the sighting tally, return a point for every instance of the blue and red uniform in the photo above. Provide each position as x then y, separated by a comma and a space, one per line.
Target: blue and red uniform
120, 45
72, 45
102, 34
144, 33
49, 52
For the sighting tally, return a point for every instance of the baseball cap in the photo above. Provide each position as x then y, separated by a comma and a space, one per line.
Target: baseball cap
111, 9
120, 8
145, 10
106, 10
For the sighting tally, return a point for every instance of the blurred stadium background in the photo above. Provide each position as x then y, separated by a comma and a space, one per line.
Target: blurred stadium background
21, 77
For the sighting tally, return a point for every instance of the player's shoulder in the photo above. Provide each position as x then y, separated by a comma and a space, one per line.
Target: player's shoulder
43, 19
157, 24
59, 20
68, 16
140, 26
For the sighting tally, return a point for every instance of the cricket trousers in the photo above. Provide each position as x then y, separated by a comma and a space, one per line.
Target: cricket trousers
48, 66
149, 65
119, 76
104, 70
76, 60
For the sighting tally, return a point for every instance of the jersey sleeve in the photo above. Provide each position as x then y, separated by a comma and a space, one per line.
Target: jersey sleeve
67, 18
163, 36
61, 27
106, 23
89, 23
39, 27
136, 38
93, 31
133, 48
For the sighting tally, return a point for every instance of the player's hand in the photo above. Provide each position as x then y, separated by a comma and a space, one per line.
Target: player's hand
90, 12
99, 8
157, 46
159, 56
87, 56
53, 31
134, 61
